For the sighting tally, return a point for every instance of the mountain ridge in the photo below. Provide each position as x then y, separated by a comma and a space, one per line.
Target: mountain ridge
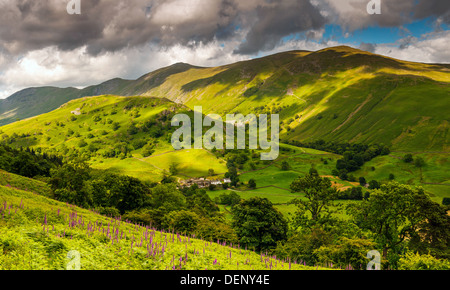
358, 94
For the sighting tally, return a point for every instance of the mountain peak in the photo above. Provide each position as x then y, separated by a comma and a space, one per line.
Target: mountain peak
343, 48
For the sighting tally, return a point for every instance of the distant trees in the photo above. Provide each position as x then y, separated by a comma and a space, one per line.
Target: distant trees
27, 162
115, 126
354, 154
149, 148
418, 161
354, 193
230, 199
446, 201
232, 174
373, 184
173, 168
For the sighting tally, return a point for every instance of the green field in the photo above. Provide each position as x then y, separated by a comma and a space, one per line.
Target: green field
273, 183
434, 177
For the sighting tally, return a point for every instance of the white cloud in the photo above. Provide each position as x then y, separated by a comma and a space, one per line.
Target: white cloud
430, 48
52, 67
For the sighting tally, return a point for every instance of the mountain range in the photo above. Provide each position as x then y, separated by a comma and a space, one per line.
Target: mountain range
338, 94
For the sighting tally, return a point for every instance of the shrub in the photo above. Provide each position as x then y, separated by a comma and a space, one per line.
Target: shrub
82, 143
346, 252
116, 126
181, 221
408, 158
252, 183
148, 149
362, 181
374, 184
446, 201
413, 261
419, 162
109, 211
285, 166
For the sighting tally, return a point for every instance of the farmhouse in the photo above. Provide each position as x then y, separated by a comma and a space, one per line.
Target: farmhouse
202, 182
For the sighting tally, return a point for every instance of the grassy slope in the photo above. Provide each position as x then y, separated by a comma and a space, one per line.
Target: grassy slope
434, 177
360, 97
339, 94
44, 132
36, 101
37, 233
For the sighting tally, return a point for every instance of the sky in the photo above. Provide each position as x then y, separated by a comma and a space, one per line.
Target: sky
42, 44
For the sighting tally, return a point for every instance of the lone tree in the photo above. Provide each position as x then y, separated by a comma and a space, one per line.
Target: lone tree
285, 166
362, 181
252, 183
319, 193
419, 162
258, 224
408, 158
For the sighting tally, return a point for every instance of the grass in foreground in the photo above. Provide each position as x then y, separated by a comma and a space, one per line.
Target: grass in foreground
39, 233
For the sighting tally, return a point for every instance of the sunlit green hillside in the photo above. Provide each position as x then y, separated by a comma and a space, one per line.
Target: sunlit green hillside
128, 135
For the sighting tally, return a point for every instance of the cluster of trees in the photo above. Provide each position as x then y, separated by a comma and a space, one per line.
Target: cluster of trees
354, 154
232, 173
230, 199
354, 193
27, 162
396, 219
163, 206
418, 161
368, 151
76, 183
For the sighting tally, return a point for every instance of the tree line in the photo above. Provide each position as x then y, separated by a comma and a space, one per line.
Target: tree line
354, 154
27, 162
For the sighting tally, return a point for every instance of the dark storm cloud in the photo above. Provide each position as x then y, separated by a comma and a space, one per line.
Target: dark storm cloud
27, 25
370, 47
433, 8
352, 14
282, 18
112, 25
